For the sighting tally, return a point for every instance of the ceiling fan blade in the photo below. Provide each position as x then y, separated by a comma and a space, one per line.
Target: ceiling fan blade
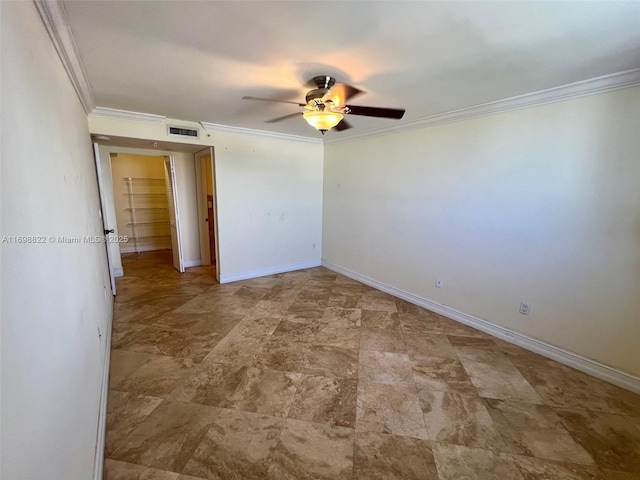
246, 97
343, 125
291, 115
396, 113
340, 93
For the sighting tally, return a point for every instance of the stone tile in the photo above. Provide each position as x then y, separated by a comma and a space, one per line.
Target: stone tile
330, 332
537, 469
214, 322
144, 314
612, 440
238, 445
313, 451
456, 462
230, 304
283, 353
305, 311
168, 341
264, 391
167, 438
297, 331
380, 456
325, 400
389, 409
420, 321
114, 470
461, 341
257, 326
386, 368
172, 320
157, 377
451, 327
252, 292
331, 361
561, 386
381, 331
342, 317
442, 374
315, 296
210, 384
276, 307
344, 298
125, 411
237, 350
339, 331
377, 301
535, 431
459, 419
495, 376
123, 363
429, 345
411, 310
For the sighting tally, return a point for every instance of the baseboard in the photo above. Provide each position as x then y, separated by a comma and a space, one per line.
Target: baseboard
101, 435
118, 272
579, 362
234, 277
192, 263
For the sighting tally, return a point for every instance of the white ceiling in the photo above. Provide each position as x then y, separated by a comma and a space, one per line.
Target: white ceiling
195, 60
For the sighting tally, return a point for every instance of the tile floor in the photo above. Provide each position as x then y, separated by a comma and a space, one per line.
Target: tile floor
311, 375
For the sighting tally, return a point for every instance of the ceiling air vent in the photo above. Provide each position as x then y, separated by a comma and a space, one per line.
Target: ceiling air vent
182, 131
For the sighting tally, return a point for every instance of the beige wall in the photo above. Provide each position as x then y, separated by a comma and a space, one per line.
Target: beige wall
55, 298
540, 205
269, 203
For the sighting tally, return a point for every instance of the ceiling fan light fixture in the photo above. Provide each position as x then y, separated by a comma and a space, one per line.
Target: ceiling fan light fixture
322, 120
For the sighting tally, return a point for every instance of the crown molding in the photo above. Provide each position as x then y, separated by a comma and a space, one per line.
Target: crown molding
606, 83
54, 18
217, 128
116, 114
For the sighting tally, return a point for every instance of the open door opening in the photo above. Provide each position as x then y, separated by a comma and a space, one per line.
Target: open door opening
207, 208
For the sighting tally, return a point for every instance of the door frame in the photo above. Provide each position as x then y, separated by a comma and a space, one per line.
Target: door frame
172, 188
201, 192
106, 222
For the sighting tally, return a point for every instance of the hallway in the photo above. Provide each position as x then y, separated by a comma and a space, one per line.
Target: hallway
311, 375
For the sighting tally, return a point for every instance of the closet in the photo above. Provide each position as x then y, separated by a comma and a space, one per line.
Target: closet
140, 197
148, 211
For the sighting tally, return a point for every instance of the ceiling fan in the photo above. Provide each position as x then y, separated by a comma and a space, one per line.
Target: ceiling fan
326, 106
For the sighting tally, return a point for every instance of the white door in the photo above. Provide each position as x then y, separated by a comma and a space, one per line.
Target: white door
174, 212
105, 221
203, 159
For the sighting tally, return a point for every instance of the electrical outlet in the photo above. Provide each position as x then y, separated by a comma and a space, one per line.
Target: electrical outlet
438, 282
525, 308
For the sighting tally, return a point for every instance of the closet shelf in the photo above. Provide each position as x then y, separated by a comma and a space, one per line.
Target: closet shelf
143, 179
133, 209
153, 238
147, 221
152, 194
158, 222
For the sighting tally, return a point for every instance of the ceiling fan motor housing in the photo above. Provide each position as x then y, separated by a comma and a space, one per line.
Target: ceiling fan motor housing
324, 84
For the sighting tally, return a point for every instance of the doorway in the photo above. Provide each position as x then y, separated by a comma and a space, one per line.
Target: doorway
207, 208
146, 204
186, 186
